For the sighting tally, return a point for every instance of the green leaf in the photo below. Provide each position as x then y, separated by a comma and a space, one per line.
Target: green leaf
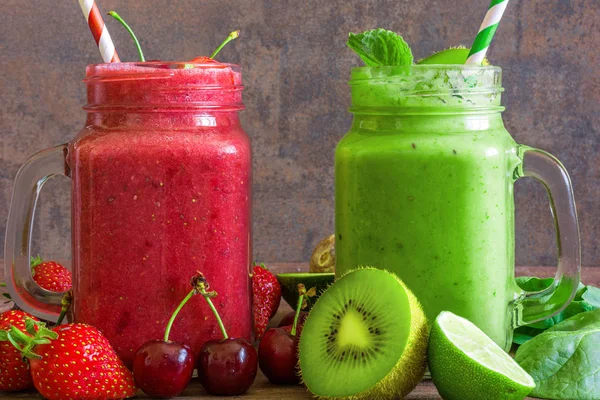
30, 326
592, 296
524, 333
36, 261
13, 341
380, 47
3, 336
587, 298
6, 295
44, 332
522, 337
534, 284
564, 360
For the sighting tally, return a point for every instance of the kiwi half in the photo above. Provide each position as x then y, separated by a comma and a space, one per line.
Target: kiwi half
365, 338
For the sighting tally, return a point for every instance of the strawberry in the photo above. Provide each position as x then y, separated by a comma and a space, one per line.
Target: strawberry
266, 296
50, 275
80, 364
73, 361
14, 371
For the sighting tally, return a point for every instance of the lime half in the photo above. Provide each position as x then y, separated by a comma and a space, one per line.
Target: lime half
466, 364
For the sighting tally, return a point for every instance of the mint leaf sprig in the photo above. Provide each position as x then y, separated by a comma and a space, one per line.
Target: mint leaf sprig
380, 47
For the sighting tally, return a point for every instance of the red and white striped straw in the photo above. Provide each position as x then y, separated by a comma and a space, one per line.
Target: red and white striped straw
99, 31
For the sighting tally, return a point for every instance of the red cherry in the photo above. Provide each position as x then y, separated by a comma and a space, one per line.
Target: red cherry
227, 367
278, 356
163, 369
202, 60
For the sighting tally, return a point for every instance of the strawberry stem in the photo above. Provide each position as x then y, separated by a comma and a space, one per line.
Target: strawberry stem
34, 262
19, 336
179, 307
137, 43
25, 343
232, 35
202, 287
65, 303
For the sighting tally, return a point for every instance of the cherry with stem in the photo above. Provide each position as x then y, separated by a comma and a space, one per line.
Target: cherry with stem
226, 367
204, 59
278, 349
163, 368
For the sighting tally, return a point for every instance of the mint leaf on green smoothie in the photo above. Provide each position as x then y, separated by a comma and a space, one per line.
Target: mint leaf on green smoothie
380, 47
564, 360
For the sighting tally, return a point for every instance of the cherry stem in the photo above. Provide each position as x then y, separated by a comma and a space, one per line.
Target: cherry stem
137, 43
232, 35
298, 308
214, 310
179, 307
201, 285
65, 303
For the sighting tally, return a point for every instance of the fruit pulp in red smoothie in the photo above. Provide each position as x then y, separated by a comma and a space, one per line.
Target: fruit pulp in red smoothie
158, 196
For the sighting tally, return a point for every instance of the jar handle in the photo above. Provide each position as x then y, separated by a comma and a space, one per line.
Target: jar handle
536, 306
25, 293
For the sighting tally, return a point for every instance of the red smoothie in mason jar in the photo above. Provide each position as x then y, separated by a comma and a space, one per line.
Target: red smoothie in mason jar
161, 180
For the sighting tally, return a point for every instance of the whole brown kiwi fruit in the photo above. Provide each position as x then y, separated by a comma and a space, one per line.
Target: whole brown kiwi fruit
323, 256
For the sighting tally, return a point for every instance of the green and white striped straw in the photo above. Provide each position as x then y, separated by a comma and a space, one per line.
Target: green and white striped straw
486, 32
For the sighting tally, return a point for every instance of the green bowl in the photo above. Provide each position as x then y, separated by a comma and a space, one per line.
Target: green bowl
289, 285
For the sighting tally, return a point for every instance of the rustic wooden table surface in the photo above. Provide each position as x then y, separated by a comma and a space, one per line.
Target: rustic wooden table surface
263, 390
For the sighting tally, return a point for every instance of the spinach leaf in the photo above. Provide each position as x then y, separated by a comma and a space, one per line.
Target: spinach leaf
564, 361
524, 333
587, 298
533, 284
592, 296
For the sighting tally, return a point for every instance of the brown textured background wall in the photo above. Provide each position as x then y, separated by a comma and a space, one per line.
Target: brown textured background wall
296, 67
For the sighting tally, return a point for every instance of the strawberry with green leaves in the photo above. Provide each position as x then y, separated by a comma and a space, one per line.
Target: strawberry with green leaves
14, 371
50, 275
73, 361
266, 296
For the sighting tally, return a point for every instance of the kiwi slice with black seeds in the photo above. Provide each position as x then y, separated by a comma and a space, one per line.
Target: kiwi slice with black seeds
365, 338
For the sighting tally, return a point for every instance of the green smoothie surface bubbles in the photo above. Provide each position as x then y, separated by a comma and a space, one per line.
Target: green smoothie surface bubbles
441, 80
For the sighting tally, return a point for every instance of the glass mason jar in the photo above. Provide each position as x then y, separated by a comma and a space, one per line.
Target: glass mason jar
424, 188
161, 188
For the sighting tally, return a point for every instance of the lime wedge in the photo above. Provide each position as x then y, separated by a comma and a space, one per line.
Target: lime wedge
466, 364
454, 55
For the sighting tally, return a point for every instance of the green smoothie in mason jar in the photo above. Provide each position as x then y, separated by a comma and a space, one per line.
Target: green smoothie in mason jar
424, 188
